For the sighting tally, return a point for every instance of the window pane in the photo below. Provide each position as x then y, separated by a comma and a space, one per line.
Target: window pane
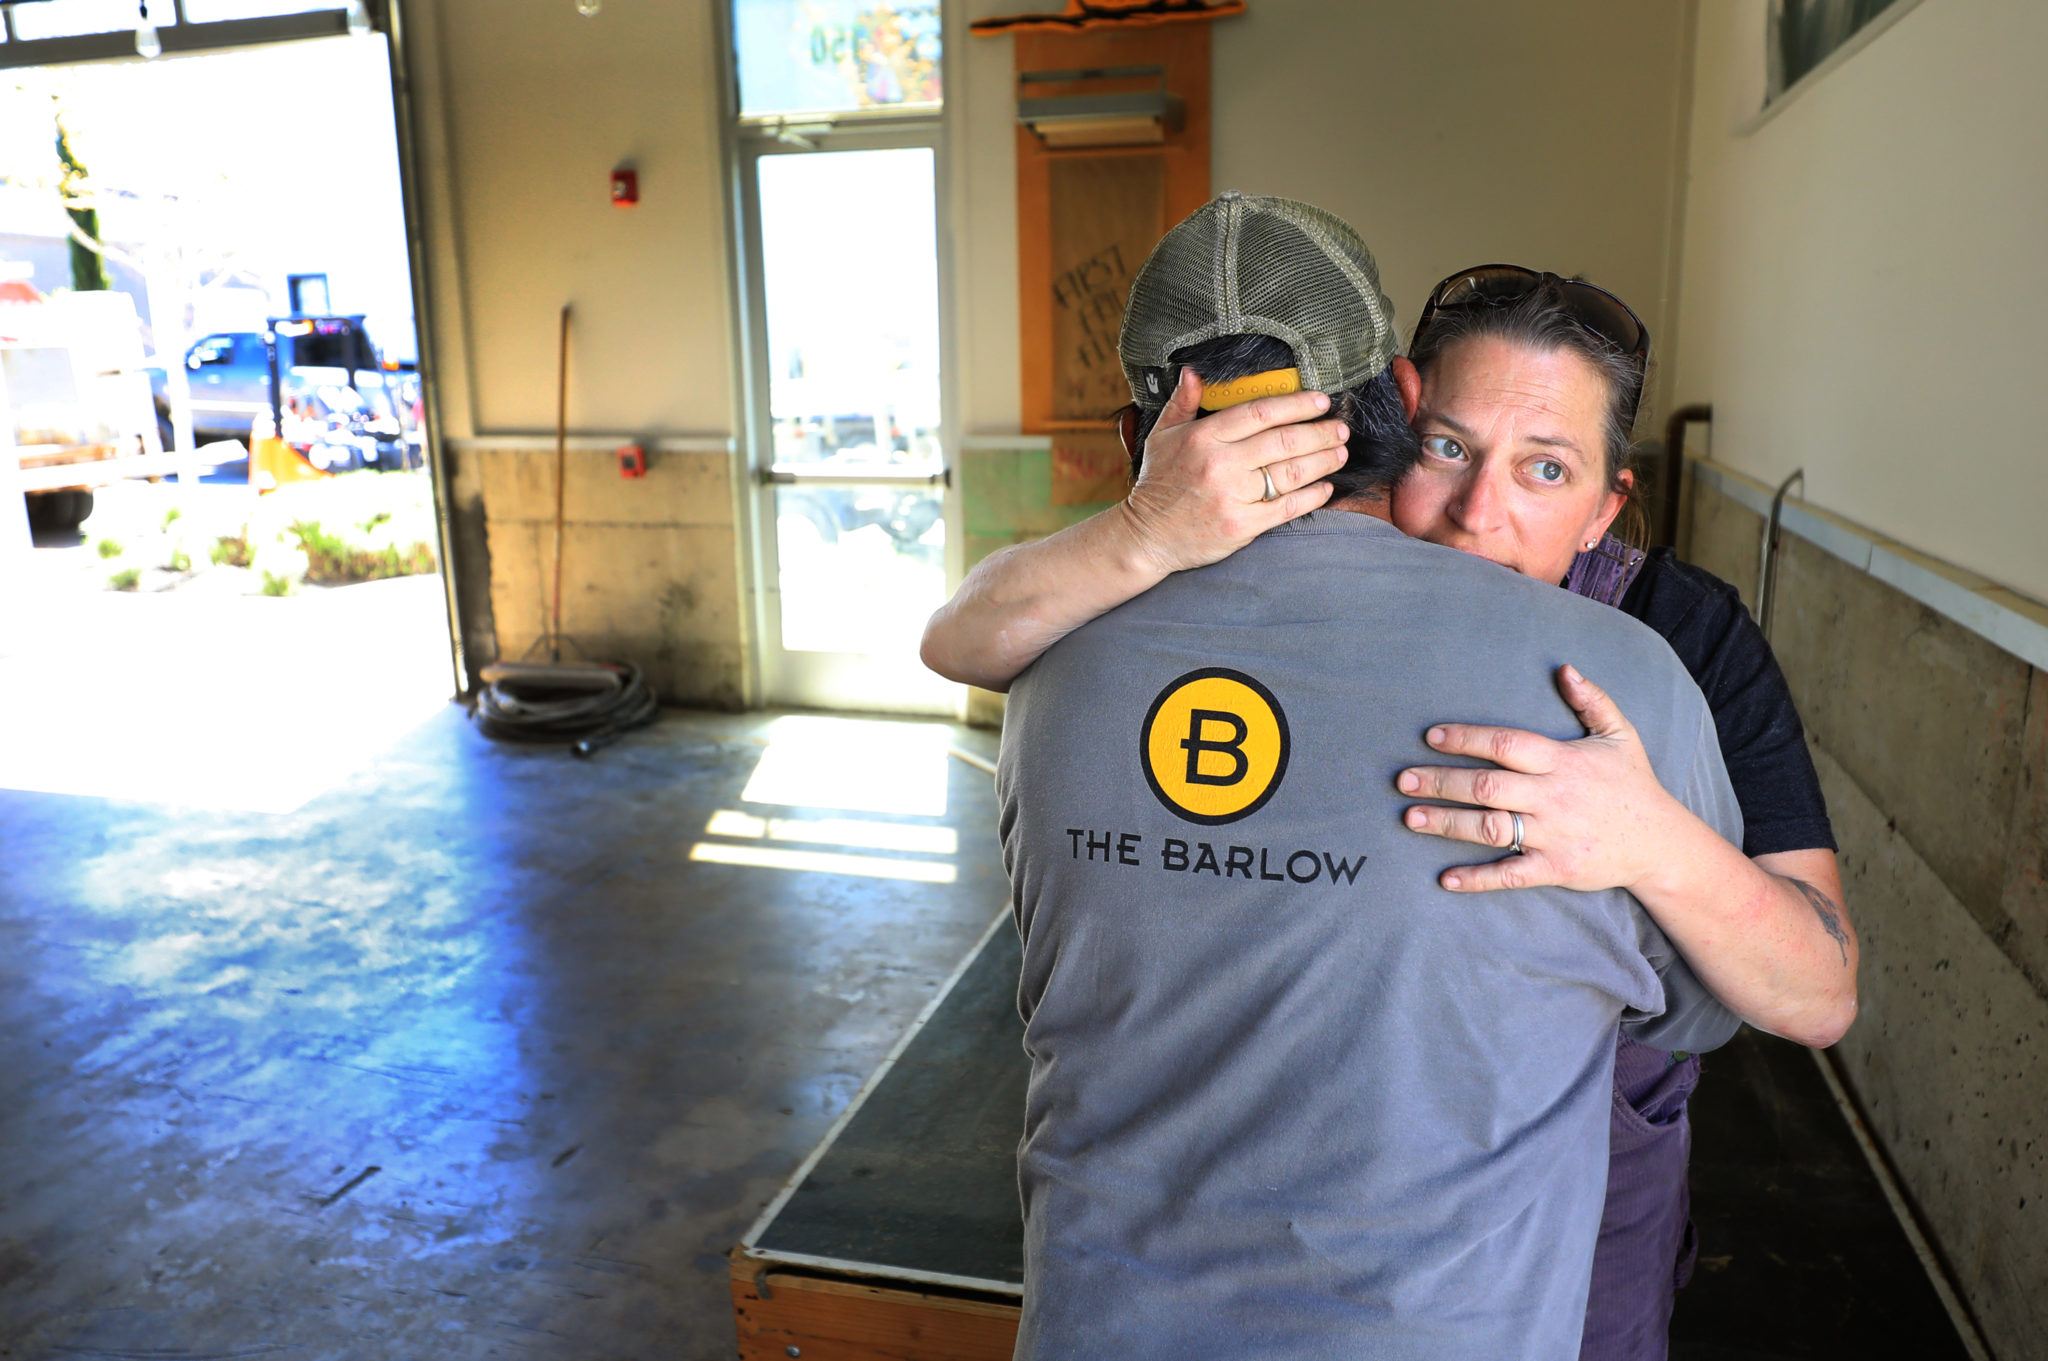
212, 11
861, 568
1804, 33
65, 18
831, 56
850, 269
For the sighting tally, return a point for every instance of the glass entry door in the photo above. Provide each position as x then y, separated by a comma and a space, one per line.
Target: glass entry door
847, 430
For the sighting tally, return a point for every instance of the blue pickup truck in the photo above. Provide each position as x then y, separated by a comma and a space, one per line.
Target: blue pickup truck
229, 374
326, 369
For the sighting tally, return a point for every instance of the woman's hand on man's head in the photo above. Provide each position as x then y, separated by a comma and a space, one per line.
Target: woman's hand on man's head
1200, 496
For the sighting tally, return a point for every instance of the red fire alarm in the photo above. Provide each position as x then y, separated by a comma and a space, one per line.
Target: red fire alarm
632, 461
625, 187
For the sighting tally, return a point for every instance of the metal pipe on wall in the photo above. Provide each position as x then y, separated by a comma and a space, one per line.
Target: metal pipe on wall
1674, 465
1767, 569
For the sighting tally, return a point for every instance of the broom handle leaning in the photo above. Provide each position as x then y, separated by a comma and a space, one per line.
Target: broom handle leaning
561, 470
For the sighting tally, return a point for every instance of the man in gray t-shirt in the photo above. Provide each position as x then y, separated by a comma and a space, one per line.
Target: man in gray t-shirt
1289, 1097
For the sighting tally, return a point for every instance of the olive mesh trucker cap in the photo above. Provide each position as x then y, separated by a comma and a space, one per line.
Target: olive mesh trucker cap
1251, 265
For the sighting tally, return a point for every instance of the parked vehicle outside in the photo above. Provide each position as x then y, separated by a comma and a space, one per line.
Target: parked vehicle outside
73, 387
229, 377
339, 405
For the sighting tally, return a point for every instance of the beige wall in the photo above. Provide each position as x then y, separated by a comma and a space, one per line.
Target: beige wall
1864, 279
522, 109
1466, 131
1932, 748
1449, 134
539, 104
983, 165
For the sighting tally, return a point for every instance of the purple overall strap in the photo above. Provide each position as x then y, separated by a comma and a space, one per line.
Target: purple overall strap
1604, 571
1646, 1242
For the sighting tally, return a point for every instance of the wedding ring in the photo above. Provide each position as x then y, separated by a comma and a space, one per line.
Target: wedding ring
1272, 492
1516, 848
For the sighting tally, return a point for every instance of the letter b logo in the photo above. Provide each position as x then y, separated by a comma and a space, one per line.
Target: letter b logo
1230, 748
1214, 746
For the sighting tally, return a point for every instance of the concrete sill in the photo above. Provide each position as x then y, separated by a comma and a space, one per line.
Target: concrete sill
545, 442
2004, 617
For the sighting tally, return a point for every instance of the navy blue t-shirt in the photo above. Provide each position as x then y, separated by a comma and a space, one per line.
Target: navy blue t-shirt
1704, 620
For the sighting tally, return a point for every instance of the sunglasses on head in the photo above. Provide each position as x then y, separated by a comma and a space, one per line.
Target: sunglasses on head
1592, 307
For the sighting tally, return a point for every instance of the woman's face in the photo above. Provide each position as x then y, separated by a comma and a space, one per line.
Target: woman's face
1513, 469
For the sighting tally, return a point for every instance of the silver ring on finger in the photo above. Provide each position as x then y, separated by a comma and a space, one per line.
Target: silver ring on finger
1272, 492
1515, 847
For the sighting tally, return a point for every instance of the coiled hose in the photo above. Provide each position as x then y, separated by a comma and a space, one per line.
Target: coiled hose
589, 705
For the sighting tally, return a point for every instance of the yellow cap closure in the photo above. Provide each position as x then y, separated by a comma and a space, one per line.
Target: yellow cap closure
1251, 387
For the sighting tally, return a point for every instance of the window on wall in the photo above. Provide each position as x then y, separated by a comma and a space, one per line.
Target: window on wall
64, 18
826, 57
1805, 33
210, 11
65, 31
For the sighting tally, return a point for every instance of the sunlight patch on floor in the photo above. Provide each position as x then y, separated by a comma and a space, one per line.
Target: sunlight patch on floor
853, 765
824, 862
237, 703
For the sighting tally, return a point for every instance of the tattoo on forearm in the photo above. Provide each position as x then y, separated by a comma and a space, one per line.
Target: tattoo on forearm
1830, 915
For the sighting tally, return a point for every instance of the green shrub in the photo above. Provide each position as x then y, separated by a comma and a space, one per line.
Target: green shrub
232, 550
181, 561
273, 584
127, 579
339, 559
171, 516
358, 527
108, 550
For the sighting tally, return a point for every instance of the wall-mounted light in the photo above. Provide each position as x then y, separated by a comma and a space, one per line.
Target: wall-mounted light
1092, 117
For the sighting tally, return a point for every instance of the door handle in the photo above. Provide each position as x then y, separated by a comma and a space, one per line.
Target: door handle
783, 477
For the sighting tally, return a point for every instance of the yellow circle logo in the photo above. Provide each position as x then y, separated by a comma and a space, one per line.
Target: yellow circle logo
1214, 746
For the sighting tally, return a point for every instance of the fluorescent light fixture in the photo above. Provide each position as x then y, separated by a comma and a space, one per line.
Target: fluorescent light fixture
1096, 117
1102, 120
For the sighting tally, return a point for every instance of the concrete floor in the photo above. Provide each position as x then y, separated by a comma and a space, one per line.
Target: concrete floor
465, 1058
487, 1052
204, 694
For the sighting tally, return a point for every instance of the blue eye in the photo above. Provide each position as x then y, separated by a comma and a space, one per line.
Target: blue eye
1549, 470
1442, 446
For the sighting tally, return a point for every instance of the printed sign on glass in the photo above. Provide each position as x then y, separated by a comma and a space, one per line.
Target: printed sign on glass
836, 56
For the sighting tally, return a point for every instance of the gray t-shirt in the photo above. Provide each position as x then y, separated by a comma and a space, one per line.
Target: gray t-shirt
1289, 1098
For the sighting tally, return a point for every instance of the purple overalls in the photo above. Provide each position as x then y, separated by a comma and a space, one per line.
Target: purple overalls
1647, 1244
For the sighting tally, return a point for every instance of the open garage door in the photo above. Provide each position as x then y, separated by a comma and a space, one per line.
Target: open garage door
216, 425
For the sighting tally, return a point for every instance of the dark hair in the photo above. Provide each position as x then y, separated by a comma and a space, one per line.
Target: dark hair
1541, 319
1382, 447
